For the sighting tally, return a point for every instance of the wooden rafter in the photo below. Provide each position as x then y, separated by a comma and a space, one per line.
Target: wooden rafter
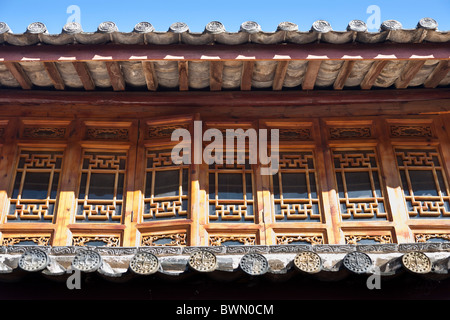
373, 73
115, 75
150, 76
54, 75
17, 71
439, 73
247, 73
84, 74
280, 74
408, 73
343, 75
215, 75
183, 75
310, 77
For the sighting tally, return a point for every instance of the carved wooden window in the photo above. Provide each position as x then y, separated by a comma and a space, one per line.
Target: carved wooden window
294, 188
231, 192
424, 183
101, 188
359, 185
166, 187
35, 188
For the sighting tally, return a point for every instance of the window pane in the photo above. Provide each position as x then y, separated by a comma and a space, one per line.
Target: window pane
230, 186
423, 183
358, 185
101, 186
167, 183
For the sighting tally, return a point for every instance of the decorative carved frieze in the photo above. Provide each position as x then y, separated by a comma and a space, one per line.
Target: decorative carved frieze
354, 239
110, 241
121, 134
160, 132
38, 240
287, 239
175, 239
297, 134
400, 131
218, 240
44, 133
425, 237
349, 133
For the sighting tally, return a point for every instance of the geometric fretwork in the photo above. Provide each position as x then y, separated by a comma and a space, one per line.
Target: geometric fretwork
166, 187
35, 186
358, 182
231, 190
294, 188
424, 182
101, 187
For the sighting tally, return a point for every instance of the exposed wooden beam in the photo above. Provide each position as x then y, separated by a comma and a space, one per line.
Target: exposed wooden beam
19, 74
373, 73
215, 75
408, 73
84, 74
120, 52
343, 74
150, 76
54, 75
280, 74
312, 69
183, 75
247, 75
439, 73
115, 75
222, 98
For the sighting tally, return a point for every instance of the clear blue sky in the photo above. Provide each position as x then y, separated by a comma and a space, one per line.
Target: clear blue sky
126, 13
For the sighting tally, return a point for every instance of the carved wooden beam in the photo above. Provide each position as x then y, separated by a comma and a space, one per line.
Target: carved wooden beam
17, 71
280, 74
247, 74
150, 76
54, 75
373, 73
215, 75
183, 75
408, 73
343, 75
309, 80
115, 75
84, 74
439, 73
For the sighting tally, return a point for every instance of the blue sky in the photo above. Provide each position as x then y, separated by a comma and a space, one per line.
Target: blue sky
19, 13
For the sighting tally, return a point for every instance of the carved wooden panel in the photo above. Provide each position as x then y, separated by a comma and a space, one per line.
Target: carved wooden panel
299, 239
360, 192
164, 239
40, 240
35, 189
431, 237
411, 131
294, 188
166, 187
163, 131
425, 185
44, 133
223, 240
101, 187
360, 239
92, 240
349, 133
117, 134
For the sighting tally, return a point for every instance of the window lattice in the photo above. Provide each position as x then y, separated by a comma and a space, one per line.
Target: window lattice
101, 191
358, 182
166, 187
231, 191
294, 188
425, 187
35, 186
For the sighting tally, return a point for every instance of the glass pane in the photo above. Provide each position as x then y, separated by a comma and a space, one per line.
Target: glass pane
167, 183
294, 186
35, 185
230, 186
358, 185
101, 186
423, 183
